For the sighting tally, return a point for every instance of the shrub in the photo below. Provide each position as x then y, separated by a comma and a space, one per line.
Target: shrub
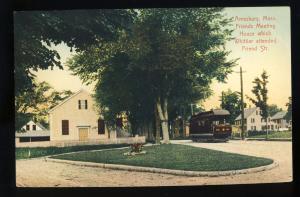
136, 147
254, 133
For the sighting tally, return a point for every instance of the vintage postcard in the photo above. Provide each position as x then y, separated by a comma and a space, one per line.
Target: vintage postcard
153, 97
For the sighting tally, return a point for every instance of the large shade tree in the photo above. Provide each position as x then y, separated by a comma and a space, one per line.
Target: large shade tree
169, 56
34, 105
36, 31
231, 101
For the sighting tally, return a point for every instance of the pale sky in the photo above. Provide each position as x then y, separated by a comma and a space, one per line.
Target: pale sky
276, 60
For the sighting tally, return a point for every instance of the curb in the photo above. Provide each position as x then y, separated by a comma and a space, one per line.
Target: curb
271, 139
264, 139
166, 171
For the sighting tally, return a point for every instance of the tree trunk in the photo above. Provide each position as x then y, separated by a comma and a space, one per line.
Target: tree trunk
183, 128
108, 131
172, 129
267, 128
150, 131
157, 126
139, 130
163, 115
144, 132
176, 128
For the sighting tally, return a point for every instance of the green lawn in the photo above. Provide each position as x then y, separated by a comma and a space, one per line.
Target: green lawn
279, 134
172, 156
22, 153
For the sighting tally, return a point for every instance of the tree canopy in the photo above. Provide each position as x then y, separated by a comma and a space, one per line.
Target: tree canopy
167, 58
231, 101
34, 104
273, 109
288, 115
35, 31
260, 92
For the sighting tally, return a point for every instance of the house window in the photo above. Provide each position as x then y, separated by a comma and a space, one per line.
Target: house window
119, 122
65, 127
82, 104
34, 127
254, 128
101, 126
27, 127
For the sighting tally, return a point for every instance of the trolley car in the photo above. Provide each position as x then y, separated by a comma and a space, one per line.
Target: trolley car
210, 126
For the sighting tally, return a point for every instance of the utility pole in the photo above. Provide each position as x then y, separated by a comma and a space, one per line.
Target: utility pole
242, 103
192, 111
222, 100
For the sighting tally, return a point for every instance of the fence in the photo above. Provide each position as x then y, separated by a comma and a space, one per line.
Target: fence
124, 140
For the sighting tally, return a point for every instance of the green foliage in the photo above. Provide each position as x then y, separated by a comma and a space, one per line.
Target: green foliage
288, 115
276, 134
172, 54
35, 31
34, 104
231, 101
273, 109
173, 156
21, 119
261, 93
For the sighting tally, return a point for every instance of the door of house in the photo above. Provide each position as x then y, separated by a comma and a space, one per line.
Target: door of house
83, 134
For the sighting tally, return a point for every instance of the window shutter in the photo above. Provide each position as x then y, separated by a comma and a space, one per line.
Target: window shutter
79, 104
101, 126
86, 104
65, 127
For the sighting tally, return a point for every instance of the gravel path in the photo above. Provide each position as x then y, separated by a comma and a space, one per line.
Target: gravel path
40, 173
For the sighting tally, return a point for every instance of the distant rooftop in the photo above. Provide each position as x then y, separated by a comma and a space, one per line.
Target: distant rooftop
279, 115
220, 112
247, 113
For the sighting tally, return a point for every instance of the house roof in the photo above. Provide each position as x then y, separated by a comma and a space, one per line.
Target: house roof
220, 112
247, 113
41, 126
64, 101
38, 124
43, 133
279, 115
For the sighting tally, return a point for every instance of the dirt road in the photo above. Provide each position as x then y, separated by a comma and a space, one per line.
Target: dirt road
40, 173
